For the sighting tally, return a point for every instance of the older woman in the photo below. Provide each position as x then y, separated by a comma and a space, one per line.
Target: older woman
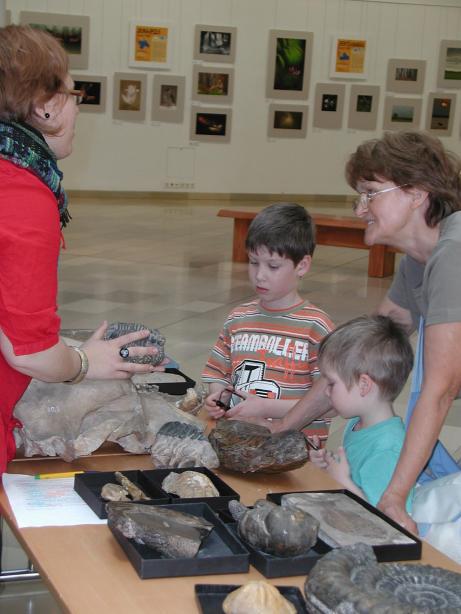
38, 109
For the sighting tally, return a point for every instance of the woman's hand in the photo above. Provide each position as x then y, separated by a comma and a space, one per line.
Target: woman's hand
394, 506
104, 357
252, 406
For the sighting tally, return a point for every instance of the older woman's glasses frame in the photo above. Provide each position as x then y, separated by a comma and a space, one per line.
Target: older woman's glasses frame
78, 96
364, 198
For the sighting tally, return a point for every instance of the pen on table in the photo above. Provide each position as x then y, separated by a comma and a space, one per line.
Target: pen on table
62, 474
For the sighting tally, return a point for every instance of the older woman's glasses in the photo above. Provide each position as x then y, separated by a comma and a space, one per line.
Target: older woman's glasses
364, 198
78, 96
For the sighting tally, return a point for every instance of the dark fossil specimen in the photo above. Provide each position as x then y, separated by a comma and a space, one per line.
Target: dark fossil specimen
349, 580
156, 339
245, 447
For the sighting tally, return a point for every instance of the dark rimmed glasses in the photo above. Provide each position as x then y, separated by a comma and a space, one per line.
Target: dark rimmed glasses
78, 96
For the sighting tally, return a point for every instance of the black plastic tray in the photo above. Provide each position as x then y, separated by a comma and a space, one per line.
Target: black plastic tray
384, 552
210, 597
226, 493
175, 388
89, 485
221, 552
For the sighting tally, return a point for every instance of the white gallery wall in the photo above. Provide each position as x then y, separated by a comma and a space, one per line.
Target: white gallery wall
115, 155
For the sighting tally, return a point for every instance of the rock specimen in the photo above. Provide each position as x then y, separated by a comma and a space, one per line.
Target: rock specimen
133, 491
172, 534
192, 401
349, 580
156, 339
245, 447
274, 530
189, 484
258, 597
183, 445
114, 492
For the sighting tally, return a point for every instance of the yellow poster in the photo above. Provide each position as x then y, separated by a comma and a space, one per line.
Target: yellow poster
151, 44
350, 56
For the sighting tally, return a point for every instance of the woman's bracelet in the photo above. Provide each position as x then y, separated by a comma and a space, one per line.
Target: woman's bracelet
84, 365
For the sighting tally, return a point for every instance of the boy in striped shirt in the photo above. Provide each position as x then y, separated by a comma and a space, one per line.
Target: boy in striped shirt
265, 358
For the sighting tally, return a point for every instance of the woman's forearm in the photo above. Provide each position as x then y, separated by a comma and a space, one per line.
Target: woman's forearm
313, 405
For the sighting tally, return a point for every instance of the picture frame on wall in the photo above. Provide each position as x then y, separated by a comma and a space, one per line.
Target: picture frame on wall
168, 98
440, 113
329, 105
402, 113
406, 76
287, 121
289, 64
72, 31
449, 69
213, 84
363, 107
215, 44
210, 124
349, 57
151, 44
129, 96
93, 90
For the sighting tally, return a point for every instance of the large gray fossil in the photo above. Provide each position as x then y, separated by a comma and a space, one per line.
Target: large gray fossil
245, 447
349, 580
171, 533
275, 530
155, 339
183, 445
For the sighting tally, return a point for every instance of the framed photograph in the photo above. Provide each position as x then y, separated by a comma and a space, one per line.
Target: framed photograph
215, 44
402, 113
213, 84
406, 76
130, 97
363, 107
329, 105
287, 121
168, 99
210, 124
93, 91
150, 44
449, 72
72, 31
289, 64
349, 57
440, 113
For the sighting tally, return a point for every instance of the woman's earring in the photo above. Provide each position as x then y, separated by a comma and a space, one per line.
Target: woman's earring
47, 116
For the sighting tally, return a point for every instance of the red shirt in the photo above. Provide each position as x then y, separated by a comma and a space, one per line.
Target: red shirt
29, 250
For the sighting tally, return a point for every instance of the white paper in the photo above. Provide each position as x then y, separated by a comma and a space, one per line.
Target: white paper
44, 503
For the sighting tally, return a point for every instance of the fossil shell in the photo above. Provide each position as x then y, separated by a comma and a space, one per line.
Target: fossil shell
275, 530
257, 597
189, 484
351, 581
114, 492
117, 329
182, 445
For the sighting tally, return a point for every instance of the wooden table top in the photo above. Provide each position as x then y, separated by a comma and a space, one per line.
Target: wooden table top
88, 572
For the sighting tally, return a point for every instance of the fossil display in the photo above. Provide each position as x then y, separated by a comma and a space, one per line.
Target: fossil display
173, 534
344, 521
257, 596
114, 492
273, 529
349, 580
189, 484
156, 339
183, 445
134, 491
245, 447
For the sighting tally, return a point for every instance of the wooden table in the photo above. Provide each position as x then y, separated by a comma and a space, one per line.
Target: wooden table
87, 571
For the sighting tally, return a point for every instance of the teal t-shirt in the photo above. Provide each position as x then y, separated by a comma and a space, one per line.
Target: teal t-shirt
373, 453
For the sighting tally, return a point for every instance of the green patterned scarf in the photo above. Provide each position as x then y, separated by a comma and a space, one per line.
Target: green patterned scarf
24, 146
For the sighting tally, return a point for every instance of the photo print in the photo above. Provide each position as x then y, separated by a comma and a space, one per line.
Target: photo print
168, 98
210, 124
93, 91
151, 44
130, 96
289, 64
215, 44
363, 107
287, 121
406, 76
440, 113
348, 57
402, 113
329, 105
364, 104
212, 84
449, 70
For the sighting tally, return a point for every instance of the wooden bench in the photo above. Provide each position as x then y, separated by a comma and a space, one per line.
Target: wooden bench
332, 230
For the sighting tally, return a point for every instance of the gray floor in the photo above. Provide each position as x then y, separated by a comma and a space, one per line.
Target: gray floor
168, 265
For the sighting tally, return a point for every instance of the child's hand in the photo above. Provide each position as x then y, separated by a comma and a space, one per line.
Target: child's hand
317, 457
213, 410
338, 467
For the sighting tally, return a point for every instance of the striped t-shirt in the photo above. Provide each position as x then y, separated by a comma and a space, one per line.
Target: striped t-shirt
271, 353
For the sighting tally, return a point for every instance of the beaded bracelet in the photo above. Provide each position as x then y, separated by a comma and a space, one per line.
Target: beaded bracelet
84, 365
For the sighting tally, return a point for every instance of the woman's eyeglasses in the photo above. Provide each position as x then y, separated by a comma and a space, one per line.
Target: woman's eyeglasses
364, 198
78, 96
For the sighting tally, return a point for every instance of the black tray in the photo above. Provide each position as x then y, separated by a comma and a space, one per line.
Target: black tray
384, 552
89, 485
175, 388
282, 566
220, 553
210, 597
226, 493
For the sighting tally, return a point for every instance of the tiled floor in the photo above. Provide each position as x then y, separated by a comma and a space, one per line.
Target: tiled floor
167, 265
